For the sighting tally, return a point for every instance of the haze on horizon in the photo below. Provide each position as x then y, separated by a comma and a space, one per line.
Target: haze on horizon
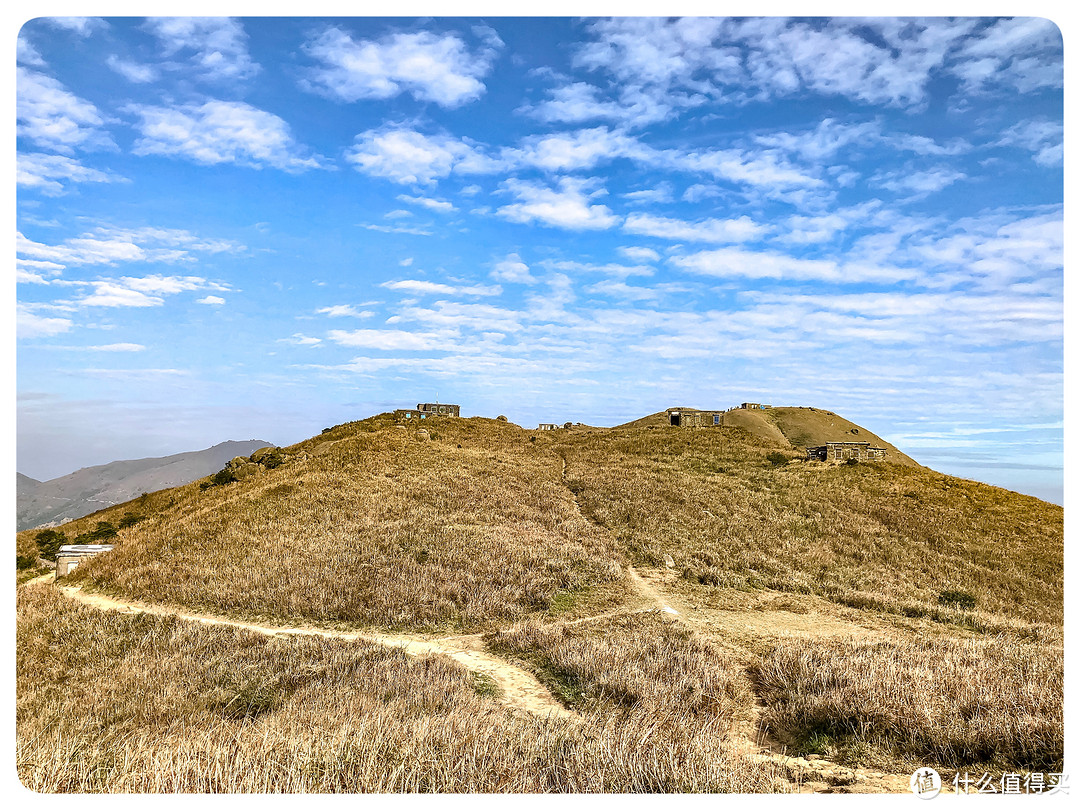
258, 228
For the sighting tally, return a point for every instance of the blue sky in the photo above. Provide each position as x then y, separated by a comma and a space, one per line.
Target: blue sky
257, 228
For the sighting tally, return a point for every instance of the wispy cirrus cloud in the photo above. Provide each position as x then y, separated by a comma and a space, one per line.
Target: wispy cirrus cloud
134, 72
739, 229
112, 245
344, 311
421, 287
51, 174
430, 203
1042, 137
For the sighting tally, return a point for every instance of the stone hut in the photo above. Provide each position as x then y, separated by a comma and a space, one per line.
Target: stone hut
426, 409
692, 417
546, 426
69, 557
843, 451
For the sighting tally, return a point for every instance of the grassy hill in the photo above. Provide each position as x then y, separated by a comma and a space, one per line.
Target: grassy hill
927, 597
71, 496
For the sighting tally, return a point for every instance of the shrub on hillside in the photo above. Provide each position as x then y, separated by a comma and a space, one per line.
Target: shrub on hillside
103, 532
49, 542
960, 599
777, 459
130, 519
269, 457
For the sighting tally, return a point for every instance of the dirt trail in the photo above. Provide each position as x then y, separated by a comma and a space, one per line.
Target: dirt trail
811, 774
520, 689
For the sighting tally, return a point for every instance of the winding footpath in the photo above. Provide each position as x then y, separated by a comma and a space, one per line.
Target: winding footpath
519, 688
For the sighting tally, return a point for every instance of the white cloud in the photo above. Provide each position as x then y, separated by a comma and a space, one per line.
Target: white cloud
430, 67
48, 173
998, 248
918, 183
83, 26
567, 206
431, 203
575, 103
344, 311
1025, 52
662, 192
169, 285
410, 157
220, 132
1043, 138
513, 270
132, 71
570, 151
824, 141
145, 291
219, 45
639, 254
29, 325
109, 245
764, 168
113, 294
117, 347
27, 54
740, 263
301, 340
740, 229
701, 191
610, 269
395, 229
56, 119
612, 288
389, 339
212, 300
432, 288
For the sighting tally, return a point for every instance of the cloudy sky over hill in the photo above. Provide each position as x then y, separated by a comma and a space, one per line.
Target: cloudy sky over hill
231, 228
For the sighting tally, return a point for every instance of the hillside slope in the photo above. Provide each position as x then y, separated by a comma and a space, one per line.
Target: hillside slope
811, 427
706, 591
40, 503
378, 524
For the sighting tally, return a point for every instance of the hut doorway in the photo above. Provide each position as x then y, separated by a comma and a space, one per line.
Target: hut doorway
676, 420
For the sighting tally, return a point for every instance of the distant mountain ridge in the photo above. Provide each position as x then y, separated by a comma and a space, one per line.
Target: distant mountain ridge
41, 503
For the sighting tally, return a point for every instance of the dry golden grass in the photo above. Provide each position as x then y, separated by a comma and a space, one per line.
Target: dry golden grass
373, 527
481, 526
120, 703
877, 536
644, 662
992, 702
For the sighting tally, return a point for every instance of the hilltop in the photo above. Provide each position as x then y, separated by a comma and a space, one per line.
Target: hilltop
544, 548
796, 427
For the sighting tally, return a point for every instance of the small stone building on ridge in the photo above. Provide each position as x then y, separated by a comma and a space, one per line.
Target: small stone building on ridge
843, 451
692, 417
69, 557
426, 409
